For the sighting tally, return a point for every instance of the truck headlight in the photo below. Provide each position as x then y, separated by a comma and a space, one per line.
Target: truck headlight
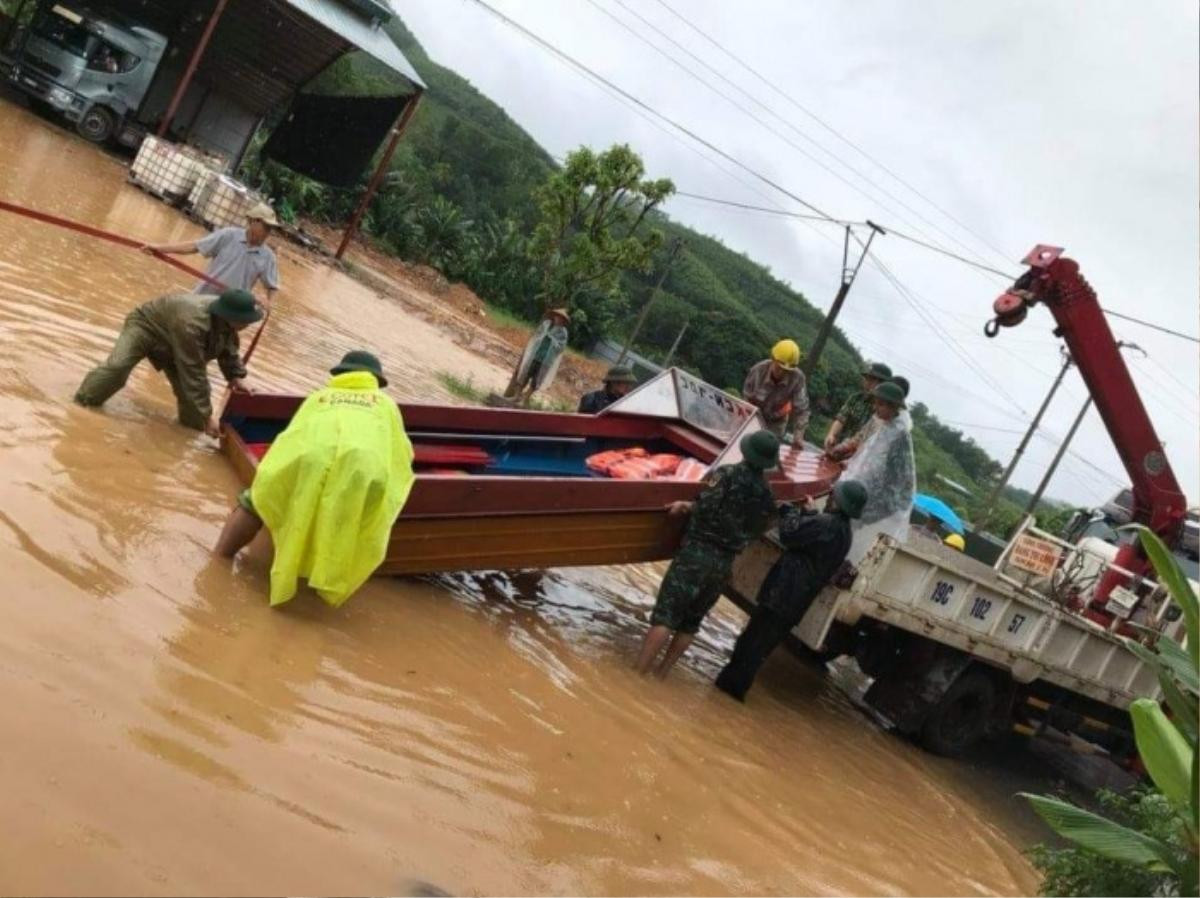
61, 97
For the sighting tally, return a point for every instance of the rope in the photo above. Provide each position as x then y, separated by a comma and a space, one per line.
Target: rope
121, 240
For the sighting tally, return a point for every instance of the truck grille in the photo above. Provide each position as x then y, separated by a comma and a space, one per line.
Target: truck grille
42, 66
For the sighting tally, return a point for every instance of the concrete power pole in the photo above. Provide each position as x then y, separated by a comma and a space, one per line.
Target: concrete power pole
1062, 450
848, 276
671, 352
676, 246
1037, 420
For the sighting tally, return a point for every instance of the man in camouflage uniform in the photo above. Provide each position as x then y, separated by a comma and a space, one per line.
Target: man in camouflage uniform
815, 545
734, 508
180, 334
857, 410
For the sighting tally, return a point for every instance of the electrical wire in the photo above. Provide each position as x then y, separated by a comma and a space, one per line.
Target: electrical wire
575, 63
900, 288
725, 79
957, 348
768, 211
825, 125
1007, 277
1157, 327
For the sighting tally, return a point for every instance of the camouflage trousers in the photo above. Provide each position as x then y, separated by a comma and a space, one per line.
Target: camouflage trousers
134, 343
692, 585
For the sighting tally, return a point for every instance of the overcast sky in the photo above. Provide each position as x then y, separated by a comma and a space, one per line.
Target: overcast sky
1073, 124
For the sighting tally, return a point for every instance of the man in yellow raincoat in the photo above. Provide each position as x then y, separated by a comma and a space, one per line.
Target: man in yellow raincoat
330, 487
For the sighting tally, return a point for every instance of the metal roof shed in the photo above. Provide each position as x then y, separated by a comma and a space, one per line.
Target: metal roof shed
234, 61
366, 35
245, 58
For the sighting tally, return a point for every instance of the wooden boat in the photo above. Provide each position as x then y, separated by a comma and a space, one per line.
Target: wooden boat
504, 489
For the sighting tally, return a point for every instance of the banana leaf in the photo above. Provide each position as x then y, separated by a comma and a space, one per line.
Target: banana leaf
1164, 751
1185, 712
1102, 836
1172, 576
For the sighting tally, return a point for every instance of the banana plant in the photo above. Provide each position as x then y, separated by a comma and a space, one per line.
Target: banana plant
1166, 743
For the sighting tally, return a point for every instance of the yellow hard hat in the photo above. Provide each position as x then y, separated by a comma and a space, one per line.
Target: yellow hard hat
954, 541
786, 353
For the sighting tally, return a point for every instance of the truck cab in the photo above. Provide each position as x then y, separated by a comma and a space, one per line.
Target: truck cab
90, 65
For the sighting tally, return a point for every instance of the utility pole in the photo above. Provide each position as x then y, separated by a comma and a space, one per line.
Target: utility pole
1062, 450
1037, 420
671, 352
848, 276
676, 246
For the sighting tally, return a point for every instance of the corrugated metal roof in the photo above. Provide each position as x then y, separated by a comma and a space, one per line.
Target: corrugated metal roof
364, 34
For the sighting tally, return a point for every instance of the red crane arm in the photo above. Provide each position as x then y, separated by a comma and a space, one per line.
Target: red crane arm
1055, 281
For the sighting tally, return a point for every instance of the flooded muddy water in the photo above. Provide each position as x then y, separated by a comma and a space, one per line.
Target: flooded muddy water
168, 732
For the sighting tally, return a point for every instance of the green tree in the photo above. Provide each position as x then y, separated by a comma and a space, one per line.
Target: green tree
593, 227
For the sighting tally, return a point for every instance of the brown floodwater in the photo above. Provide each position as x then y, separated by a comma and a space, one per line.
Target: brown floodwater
168, 732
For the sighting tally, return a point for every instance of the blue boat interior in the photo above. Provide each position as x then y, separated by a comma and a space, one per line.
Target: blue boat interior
508, 455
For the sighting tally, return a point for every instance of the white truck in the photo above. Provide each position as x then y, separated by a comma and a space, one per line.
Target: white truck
958, 649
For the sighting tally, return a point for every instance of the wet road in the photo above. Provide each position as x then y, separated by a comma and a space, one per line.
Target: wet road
168, 732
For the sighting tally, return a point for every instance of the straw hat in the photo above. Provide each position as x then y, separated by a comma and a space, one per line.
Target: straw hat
264, 213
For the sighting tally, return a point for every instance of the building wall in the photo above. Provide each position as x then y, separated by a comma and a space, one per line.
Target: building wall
208, 117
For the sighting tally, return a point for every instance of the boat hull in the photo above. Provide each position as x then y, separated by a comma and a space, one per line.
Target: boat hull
485, 522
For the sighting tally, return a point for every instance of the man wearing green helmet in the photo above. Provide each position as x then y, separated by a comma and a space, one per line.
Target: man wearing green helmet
180, 334
858, 407
885, 465
617, 383
330, 487
815, 546
734, 508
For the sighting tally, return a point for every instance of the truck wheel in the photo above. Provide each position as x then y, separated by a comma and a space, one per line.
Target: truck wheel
97, 125
961, 718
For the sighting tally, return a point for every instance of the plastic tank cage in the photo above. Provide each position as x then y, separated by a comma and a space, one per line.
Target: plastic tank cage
194, 178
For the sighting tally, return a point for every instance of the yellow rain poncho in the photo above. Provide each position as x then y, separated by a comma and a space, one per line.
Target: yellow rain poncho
331, 486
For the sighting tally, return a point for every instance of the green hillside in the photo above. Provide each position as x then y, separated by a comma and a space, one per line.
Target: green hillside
459, 197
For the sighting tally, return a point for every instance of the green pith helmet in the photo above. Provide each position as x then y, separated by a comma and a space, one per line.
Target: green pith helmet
760, 449
619, 374
236, 307
360, 360
851, 497
877, 370
889, 393
902, 383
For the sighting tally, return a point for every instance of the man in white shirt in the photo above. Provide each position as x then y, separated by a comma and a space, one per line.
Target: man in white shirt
240, 257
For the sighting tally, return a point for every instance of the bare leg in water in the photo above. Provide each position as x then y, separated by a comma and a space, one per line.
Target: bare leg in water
656, 638
675, 651
239, 529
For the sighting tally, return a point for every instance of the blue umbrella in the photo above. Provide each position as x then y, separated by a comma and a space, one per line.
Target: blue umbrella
936, 508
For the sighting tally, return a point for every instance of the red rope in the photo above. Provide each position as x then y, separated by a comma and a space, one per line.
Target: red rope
121, 240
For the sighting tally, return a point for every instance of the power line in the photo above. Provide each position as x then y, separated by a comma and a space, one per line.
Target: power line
941, 332
752, 172
725, 79
1157, 327
812, 115
769, 211
1190, 392
971, 426
1008, 278
892, 232
572, 61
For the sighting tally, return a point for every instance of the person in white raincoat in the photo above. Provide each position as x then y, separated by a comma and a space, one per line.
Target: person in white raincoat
543, 352
886, 466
